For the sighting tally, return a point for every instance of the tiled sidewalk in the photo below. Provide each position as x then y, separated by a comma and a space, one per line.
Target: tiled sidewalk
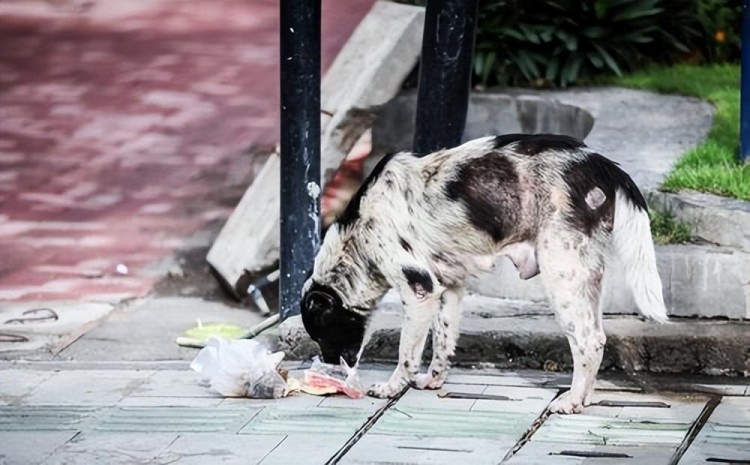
147, 413
124, 130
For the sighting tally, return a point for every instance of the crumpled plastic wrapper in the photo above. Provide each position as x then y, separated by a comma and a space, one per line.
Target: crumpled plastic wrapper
322, 378
246, 368
241, 368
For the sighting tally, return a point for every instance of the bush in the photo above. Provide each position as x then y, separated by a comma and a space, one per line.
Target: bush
561, 42
721, 22
557, 42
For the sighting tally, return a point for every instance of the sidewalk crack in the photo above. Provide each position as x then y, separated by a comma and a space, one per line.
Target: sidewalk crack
538, 422
364, 429
696, 428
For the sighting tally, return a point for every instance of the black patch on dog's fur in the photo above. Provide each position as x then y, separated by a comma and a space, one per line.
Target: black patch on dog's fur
375, 275
351, 213
404, 244
532, 144
488, 186
598, 171
418, 279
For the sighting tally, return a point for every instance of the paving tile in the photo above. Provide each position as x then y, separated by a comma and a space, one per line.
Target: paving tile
520, 400
651, 433
599, 430
447, 423
494, 377
575, 454
493, 380
202, 449
174, 383
427, 398
19, 383
72, 319
339, 401
135, 401
112, 448
114, 340
173, 419
725, 438
680, 407
381, 449
281, 419
88, 387
24, 448
302, 449
36, 418
292, 401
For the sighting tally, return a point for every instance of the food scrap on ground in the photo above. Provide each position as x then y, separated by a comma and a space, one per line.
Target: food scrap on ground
245, 368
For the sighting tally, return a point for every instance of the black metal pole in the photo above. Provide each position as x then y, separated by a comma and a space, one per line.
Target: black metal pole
444, 74
300, 147
745, 85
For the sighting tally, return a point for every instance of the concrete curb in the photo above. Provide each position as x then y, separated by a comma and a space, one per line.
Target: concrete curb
716, 219
536, 341
698, 280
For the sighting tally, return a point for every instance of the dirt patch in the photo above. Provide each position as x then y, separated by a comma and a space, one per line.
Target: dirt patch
192, 276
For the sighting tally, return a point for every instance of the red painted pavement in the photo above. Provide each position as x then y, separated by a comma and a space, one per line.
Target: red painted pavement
124, 128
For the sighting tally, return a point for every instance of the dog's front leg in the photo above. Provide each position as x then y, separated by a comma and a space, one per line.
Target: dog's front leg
419, 312
445, 330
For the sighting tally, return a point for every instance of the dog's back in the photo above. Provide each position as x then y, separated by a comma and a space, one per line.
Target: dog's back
506, 187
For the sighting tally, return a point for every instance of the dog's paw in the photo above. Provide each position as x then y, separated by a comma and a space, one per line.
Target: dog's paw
567, 404
384, 390
427, 381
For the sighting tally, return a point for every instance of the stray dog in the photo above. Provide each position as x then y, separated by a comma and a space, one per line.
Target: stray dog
423, 224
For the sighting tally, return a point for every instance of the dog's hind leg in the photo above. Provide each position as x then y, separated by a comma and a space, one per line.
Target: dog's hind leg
445, 330
571, 265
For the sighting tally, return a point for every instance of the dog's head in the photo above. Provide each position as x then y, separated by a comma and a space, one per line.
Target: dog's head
338, 330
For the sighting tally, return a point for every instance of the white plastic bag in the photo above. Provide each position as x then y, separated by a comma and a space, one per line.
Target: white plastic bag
322, 378
240, 368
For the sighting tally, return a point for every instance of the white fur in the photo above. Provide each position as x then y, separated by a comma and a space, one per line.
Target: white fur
633, 243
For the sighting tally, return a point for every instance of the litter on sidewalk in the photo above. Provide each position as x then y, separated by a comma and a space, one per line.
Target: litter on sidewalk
199, 336
246, 368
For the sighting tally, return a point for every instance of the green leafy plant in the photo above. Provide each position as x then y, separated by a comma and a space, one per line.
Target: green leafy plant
547, 42
563, 42
720, 22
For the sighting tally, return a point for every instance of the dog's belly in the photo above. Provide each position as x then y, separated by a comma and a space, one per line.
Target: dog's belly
522, 254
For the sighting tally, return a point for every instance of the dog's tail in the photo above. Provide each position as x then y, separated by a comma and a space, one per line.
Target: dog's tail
634, 244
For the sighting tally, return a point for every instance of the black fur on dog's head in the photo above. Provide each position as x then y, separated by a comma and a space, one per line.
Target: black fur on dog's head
338, 330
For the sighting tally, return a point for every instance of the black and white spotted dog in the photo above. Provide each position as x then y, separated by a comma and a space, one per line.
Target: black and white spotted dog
421, 225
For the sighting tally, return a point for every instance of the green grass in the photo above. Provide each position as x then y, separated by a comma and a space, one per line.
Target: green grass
714, 165
666, 229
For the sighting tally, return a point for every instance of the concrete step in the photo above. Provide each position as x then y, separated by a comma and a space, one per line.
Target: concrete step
698, 281
512, 334
716, 219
